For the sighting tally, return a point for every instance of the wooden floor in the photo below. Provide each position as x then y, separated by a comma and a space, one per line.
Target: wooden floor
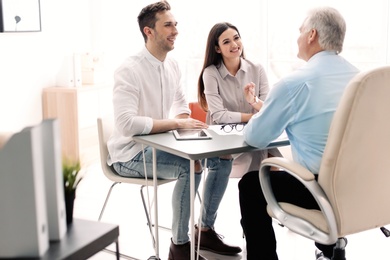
125, 209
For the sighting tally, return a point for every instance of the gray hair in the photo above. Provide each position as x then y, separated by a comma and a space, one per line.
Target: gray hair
330, 26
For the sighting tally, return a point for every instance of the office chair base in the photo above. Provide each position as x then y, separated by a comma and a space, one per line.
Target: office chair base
339, 249
320, 255
338, 254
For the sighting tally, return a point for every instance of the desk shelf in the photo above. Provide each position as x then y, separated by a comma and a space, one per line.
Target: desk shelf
83, 239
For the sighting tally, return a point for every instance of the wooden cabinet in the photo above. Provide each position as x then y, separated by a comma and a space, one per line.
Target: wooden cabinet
77, 110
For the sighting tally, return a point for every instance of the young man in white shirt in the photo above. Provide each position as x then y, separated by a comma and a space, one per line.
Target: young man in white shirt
147, 90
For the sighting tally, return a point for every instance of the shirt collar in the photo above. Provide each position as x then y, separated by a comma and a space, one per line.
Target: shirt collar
153, 60
322, 54
224, 72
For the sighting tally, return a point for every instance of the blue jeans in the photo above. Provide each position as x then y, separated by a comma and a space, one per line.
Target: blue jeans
171, 166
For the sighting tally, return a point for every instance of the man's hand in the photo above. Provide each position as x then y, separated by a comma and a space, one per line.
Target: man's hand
190, 123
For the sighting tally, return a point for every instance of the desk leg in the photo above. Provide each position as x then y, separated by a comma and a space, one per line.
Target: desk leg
192, 198
156, 244
117, 250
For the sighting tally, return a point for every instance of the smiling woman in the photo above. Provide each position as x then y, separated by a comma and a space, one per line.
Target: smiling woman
20, 16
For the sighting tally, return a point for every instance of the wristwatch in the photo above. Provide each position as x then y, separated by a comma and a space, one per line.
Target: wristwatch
255, 101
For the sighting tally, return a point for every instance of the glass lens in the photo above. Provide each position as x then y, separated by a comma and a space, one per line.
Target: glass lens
228, 128
239, 127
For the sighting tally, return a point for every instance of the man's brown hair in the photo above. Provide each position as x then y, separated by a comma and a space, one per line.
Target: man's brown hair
147, 16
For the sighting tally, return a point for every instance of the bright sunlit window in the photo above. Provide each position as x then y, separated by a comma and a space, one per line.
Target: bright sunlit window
366, 42
269, 29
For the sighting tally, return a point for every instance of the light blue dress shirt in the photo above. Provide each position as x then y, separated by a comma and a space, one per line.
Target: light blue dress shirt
303, 104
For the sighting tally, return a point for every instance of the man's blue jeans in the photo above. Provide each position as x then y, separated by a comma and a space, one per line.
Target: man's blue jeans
170, 166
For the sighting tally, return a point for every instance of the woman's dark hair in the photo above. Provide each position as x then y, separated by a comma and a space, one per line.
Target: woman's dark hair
211, 57
147, 16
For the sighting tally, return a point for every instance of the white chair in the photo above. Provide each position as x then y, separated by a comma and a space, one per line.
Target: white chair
105, 128
353, 186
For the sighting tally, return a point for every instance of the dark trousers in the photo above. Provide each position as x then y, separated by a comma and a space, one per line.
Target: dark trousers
256, 222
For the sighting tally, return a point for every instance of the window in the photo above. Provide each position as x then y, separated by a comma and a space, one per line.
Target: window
366, 42
269, 30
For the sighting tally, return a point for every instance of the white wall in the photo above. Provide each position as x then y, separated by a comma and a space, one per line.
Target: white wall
30, 61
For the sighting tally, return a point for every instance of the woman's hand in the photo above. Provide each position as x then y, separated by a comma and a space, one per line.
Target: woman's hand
251, 97
249, 92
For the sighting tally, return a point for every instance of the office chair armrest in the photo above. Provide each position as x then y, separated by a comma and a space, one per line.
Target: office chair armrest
317, 225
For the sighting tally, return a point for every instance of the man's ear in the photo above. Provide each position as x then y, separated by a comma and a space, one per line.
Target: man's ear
312, 36
147, 31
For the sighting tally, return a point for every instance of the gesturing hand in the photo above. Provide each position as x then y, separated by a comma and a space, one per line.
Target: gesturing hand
249, 92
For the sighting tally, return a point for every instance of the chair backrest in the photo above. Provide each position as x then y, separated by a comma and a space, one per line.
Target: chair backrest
105, 127
355, 169
197, 112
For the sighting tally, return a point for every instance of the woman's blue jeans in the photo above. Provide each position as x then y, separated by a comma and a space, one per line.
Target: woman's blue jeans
171, 166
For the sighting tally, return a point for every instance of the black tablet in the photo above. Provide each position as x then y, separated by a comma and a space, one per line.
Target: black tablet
191, 134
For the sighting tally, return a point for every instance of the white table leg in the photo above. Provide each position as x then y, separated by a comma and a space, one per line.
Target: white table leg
192, 198
156, 249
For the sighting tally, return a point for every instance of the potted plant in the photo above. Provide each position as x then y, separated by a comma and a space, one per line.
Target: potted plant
70, 170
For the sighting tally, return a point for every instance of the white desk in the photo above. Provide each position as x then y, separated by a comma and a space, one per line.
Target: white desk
195, 150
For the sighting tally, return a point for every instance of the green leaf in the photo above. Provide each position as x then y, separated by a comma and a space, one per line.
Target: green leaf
71, 176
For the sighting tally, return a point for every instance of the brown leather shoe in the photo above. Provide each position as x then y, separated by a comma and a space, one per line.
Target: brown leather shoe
211, 241
182, 252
